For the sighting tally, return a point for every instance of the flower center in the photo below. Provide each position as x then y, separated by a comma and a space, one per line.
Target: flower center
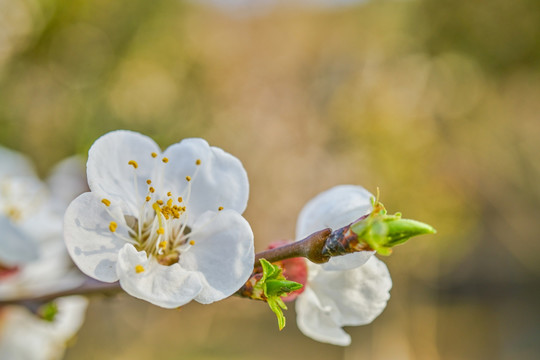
160, 227
19, 197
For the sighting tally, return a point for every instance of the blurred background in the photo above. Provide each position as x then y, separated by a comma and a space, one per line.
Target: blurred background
437, 102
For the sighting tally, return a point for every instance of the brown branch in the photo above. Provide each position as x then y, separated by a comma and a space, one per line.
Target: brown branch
310, 247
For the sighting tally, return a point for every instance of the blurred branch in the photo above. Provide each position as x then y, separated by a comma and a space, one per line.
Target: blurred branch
89, 287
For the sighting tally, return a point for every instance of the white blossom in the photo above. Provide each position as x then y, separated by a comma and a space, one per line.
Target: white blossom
33, 258
167, 225
25, 336
349, 290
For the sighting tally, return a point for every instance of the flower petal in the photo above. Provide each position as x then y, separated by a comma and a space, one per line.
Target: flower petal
342, 298
317, 322
92, 246
358, 295
16, 247
334, 208
13, 163
67, 181
219, 180
52, 272
110, 175
223, 254
144, 278
24, 335
348, 262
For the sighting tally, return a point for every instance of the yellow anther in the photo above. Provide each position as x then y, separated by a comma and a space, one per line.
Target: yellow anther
160, 202
151, 189
198, 162
139, 269
169, 194
169, 202
191, 242
180, 199
161, 231
14, 213
165, 160
148, 198
133, 163
220, 208
188, 178
107, 202
163, 244
148, 181
154, 155
113, 226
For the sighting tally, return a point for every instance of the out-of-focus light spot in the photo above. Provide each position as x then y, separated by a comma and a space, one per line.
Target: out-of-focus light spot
69, 58
142, 91
20, 21
243, 8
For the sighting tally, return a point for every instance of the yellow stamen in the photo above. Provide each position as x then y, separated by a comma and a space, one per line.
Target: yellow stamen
163, 244
158, 211
112, 226
191, 242
151, 189
165, 160
139, 269
180, 199
169, 194
169, 202
198, 162
160, 202
148, 181
220, 208
188, 178
107, 202
148, 198
133, 163
154, 155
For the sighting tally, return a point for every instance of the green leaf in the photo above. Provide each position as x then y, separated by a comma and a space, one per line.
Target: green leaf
281, 287
274, 286
48, 311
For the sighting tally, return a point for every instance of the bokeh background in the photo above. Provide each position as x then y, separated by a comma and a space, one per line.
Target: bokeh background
436, 102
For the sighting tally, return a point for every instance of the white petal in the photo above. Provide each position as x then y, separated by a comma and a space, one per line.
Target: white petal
110, 175
223, 254
333, 208
219, 180
318, 322
349, 261
341, 298
16, 247
67, 181
51, 272
13, 163
70, 316
165, 286
90, 243
25, 336
358, 295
